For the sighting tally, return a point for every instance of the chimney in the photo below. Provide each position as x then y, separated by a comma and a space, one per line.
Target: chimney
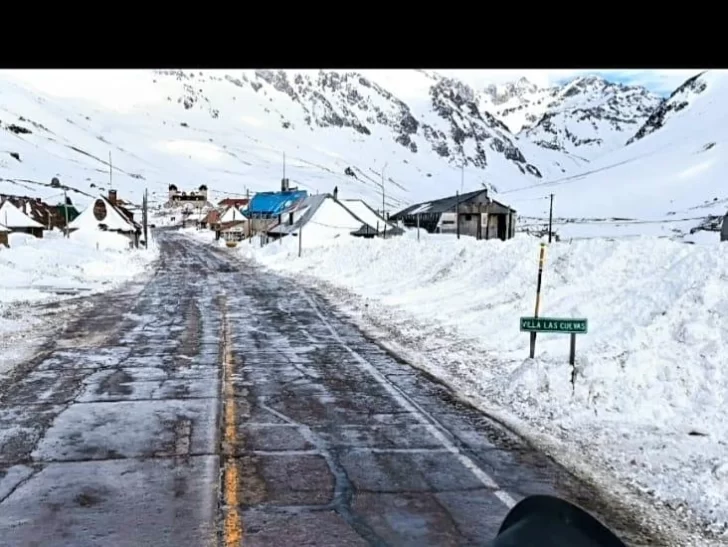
112, 197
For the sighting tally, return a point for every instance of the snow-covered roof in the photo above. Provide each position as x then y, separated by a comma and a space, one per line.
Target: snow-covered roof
323, 212
232, 214
112, 218
12, 217
363, 211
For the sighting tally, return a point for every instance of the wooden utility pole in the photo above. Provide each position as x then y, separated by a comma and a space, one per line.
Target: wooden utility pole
383, 214
145, 219
65, 210
551, 214
462, 177
532, 351
300, 240
457, 214
418, 226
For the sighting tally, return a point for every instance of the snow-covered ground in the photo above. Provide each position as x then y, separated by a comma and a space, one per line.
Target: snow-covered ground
39, 271
647, 410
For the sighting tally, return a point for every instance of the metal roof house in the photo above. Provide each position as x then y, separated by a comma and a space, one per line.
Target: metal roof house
328, 216
372, 219
265, 208
321, 212
272, 204
472, 214
17, 221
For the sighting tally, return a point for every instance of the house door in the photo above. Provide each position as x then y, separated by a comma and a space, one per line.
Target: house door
502, 227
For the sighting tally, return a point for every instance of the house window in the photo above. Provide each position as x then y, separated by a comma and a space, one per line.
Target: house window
290, 219
448, 222
468, 218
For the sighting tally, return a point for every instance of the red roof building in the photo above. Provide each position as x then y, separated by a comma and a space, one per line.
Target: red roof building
234, 202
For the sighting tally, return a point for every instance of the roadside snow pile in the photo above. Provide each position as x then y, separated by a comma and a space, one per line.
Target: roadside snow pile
43, 270
649, 403
33, 269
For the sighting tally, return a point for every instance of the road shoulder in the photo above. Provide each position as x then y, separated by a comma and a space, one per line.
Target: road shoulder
428, 348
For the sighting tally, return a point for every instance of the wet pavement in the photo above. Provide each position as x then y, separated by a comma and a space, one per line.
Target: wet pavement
222, 405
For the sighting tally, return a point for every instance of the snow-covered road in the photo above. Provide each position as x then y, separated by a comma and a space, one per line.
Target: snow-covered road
222, 399
646, 417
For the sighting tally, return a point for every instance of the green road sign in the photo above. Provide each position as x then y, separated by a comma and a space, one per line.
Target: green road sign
554, 324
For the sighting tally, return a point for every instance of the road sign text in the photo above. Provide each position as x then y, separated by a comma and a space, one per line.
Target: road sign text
554, 324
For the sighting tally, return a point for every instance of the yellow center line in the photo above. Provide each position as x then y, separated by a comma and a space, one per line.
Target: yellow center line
232, 526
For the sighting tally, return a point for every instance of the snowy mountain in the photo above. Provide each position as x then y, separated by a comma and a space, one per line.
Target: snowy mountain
679, 99
452, 126
230, 131
669, 180
588, 117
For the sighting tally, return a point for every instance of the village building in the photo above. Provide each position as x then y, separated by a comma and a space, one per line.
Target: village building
371, 219
240, 203
50, 216
103, 214
322, 215
193, 200
211, 219
724, 229
124, 207
471, 214
265, 208
233, 231
17, 221
4, 241
232, 214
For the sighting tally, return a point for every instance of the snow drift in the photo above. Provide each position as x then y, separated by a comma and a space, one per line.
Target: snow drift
31, 269
34, 271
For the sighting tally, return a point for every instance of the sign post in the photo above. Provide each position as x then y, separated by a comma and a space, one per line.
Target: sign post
538, 296
558, 325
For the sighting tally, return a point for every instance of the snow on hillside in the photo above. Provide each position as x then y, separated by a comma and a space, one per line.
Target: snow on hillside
587, 118
230, 130
590, 117
666, 183
518, 104
36, 271
648, 407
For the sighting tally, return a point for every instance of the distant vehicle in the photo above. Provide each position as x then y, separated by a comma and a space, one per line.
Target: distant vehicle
152, 225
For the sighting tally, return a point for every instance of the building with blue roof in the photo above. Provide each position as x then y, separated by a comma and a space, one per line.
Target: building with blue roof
266, 205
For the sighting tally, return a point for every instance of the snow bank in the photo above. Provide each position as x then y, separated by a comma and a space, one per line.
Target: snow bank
649, 398
42, 270
32, 269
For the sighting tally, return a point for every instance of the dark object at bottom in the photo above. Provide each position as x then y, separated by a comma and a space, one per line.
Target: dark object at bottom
547, 521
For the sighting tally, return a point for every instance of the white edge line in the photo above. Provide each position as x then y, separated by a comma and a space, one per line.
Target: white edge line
469, 464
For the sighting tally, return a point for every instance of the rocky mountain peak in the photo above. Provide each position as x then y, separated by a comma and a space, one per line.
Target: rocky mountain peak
677, 101
504, 93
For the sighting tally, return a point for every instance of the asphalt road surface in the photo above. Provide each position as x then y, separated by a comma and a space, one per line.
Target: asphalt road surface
222, 405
